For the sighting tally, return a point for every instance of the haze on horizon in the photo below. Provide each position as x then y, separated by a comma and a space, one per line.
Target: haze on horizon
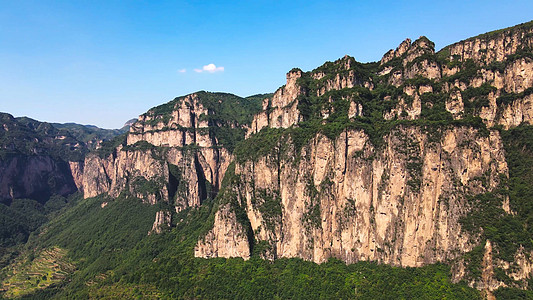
105, 62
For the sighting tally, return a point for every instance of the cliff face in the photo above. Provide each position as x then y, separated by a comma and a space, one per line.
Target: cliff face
399, 204
227, 239
504, 61
135, 171
172, 153
381, 161
34, 177
280, 111
37, 160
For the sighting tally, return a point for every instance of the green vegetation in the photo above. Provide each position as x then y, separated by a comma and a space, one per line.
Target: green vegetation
227, 113
23, 216
468, 70
69, 142
507, 232
269, 205
311, 217
89, 134
519, 155
509, 30
37, 271
362, 71
512, 294
115, 257
508, 98
110, 146
476, 98
37, 138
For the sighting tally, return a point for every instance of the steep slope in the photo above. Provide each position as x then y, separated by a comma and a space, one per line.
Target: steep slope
177, 152
40, 164
35, 160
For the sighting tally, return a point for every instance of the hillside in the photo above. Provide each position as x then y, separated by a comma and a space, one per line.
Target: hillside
408, 177
40, 165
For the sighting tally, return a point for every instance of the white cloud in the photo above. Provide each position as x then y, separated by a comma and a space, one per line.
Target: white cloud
211, 68
182, 70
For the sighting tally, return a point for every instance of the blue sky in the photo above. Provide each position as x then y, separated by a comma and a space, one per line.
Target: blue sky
104, 62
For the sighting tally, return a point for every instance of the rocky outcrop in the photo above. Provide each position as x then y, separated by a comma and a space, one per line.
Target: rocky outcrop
181, 126
345, 76
162, 221
280, 111
139, 171
181, 177
496, 46
227, 239
399, 52
171, 154
409, 61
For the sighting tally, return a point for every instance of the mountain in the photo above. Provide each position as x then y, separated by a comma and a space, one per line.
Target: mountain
40, 164
40, 159
90, 134
405, 177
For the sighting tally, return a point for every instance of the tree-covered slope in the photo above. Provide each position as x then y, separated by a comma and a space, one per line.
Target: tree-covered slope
115, 257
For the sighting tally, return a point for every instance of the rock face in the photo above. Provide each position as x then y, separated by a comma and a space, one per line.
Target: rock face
344, 198
395, 197
34, 177
503, 63
76, 169
135, 171
172, 153
180, 127
280, 111
495, 46
227, 239
162, 220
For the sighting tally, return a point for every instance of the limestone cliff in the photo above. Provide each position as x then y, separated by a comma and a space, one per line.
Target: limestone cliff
175, 153
384, 161
227, 239
345, 198
281, 109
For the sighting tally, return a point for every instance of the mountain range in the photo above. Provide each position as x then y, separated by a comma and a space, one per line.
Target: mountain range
408, 177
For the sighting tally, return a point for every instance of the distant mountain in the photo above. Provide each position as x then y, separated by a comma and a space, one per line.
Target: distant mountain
90, 134
40, 160
127, 125
37, 159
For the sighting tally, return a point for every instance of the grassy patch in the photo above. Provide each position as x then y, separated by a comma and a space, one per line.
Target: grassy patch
37, 271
